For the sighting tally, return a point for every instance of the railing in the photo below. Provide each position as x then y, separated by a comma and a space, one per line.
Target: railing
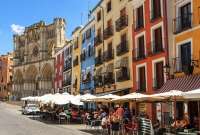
182, 23
139, 24
98, 40
122, 76
157, 84
109, 78
98, 81
121, 23
156, 47
108, 32
87, 79
141, 86
122, 48
98, 60
137, 55
179, 66
66, 82
67, 66
108, 55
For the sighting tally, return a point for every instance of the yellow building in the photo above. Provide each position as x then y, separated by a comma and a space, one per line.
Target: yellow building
113, 46
186, 37
76, 68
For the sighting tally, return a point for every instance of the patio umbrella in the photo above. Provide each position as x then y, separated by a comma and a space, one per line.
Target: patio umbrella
106, 98
87, 97
60, 99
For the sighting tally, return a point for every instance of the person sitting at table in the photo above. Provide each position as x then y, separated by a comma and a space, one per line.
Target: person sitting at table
119, 112
127, 114
115, 123
185, 122
156, 127
131, 126
177, 123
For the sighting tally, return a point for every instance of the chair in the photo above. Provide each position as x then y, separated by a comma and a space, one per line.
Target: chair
145, 127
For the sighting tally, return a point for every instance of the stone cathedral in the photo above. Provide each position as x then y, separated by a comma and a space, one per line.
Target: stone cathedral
34, 58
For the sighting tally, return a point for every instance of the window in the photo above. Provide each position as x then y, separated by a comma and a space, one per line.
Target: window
141, 79
88, 33
139, 17
109, 6
99, 16
156, 9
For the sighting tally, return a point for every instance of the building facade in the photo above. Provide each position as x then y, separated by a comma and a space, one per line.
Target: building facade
150, 49
6, 63
33, 57
87, 58
59, 66
76, 57
67, 71
113, 45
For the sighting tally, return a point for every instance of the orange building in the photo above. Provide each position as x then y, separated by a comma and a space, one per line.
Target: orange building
5, 75
150, 49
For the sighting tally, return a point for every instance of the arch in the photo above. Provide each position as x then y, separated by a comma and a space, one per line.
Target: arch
18, 77
31, 73
47, 72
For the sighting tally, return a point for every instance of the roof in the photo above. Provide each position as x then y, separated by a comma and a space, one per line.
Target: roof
97, 5
186, 83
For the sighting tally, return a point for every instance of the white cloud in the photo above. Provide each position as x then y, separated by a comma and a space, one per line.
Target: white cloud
17, 29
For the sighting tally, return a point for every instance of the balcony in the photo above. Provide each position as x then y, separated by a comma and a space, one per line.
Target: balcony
122, 48
158, 83
138, 55
186, 67
109, 78
182, 23
67, 66
75, 62
108, 32
98, 40
121, 23
98, 81
155, 48
98, 60
123, 74
141, 86
139, 24
66, 82
75, 45
109, 55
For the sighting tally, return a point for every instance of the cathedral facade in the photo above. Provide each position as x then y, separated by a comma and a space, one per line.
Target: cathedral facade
34, 58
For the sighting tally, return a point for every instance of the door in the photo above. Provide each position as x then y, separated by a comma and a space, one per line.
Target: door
141, 49
159, 75
142, 79
186, 16
158, 40
185, 56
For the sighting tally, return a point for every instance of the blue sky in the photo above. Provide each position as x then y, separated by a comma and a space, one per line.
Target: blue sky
27, 12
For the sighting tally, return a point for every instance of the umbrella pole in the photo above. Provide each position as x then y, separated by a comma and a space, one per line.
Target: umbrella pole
198, 114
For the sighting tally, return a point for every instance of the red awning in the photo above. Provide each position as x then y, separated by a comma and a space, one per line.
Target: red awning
186, 83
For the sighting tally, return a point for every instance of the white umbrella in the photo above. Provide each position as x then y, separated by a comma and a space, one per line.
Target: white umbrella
46, 98
170, 94
106, 98
87, 97
60, 99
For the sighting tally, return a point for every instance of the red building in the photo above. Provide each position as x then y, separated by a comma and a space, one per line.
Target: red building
59, 64
149, 49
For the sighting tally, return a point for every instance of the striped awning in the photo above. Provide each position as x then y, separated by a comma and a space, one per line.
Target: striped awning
186, 83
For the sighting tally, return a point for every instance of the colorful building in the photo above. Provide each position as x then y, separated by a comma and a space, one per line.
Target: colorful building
113, 45
184, 54
59, 65
76, 68
150, 49
67, 70
87, 58
6, 63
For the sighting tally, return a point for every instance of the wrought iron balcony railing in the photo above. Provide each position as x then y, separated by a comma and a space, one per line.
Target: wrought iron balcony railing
122, 48
121, 23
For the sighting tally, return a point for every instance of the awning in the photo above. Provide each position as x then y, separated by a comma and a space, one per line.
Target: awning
186, 83
111, 92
